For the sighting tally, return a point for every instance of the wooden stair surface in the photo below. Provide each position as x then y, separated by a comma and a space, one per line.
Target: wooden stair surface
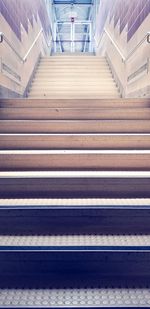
101, 160
74, 141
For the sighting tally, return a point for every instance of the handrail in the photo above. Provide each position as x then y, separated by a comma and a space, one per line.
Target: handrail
136, 47
34, 42
12, 47
118, 49
23, 59
125, 59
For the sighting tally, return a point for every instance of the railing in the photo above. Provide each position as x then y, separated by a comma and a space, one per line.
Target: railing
125, 59
115, 45
11, 46
23, 59
136, 47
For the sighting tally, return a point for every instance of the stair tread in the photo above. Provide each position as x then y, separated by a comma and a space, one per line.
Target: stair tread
76, 202
74, 141
74, 152
73, 66
75, 134
131, 240
75, 174
74, 126
79, 298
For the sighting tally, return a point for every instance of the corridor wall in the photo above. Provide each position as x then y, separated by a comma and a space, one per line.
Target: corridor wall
122, 26
21, 22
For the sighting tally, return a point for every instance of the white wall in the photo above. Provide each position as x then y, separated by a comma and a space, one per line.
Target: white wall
8, 82
131, 86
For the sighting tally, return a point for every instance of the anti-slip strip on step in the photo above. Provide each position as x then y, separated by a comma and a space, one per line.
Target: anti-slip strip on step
76, 174
95, 242
98, 121
73, 152
69, 298
75, 202
76, 134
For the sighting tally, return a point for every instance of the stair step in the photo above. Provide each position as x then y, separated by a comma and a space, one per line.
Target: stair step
79, 298
74, 113
74, 141
72, 85
58, 184
74, 81
73, 96
52, 88
84, 79
100, 160
77, 217
59, 103
72, 62
75, 126
82, 75
72, 59
71, 68
77, 67
67, 88
41, 264
98, 242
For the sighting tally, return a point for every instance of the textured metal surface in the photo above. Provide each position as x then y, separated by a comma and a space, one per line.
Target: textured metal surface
75, 298
76, 240
75, 202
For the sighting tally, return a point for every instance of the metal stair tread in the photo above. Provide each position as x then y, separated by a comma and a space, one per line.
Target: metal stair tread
76, 241
75, 298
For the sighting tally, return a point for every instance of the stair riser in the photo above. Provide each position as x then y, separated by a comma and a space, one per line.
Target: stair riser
89, 114
70, 78
64, 269
78, 96
71, 92
117, 103
103, 126
74, 187
74, 220
70, 162
75, 84
94, 68
71, 61
69, 88
74, 142
80, 74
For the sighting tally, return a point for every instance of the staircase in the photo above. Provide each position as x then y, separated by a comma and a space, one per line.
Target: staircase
73, 77
74, 200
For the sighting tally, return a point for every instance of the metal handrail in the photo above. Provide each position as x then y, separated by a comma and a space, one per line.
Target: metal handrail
23, 59
34, 42
125, 59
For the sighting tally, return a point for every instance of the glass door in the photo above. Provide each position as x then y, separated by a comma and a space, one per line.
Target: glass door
73, 37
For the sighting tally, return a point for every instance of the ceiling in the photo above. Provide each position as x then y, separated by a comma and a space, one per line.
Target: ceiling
73, 35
